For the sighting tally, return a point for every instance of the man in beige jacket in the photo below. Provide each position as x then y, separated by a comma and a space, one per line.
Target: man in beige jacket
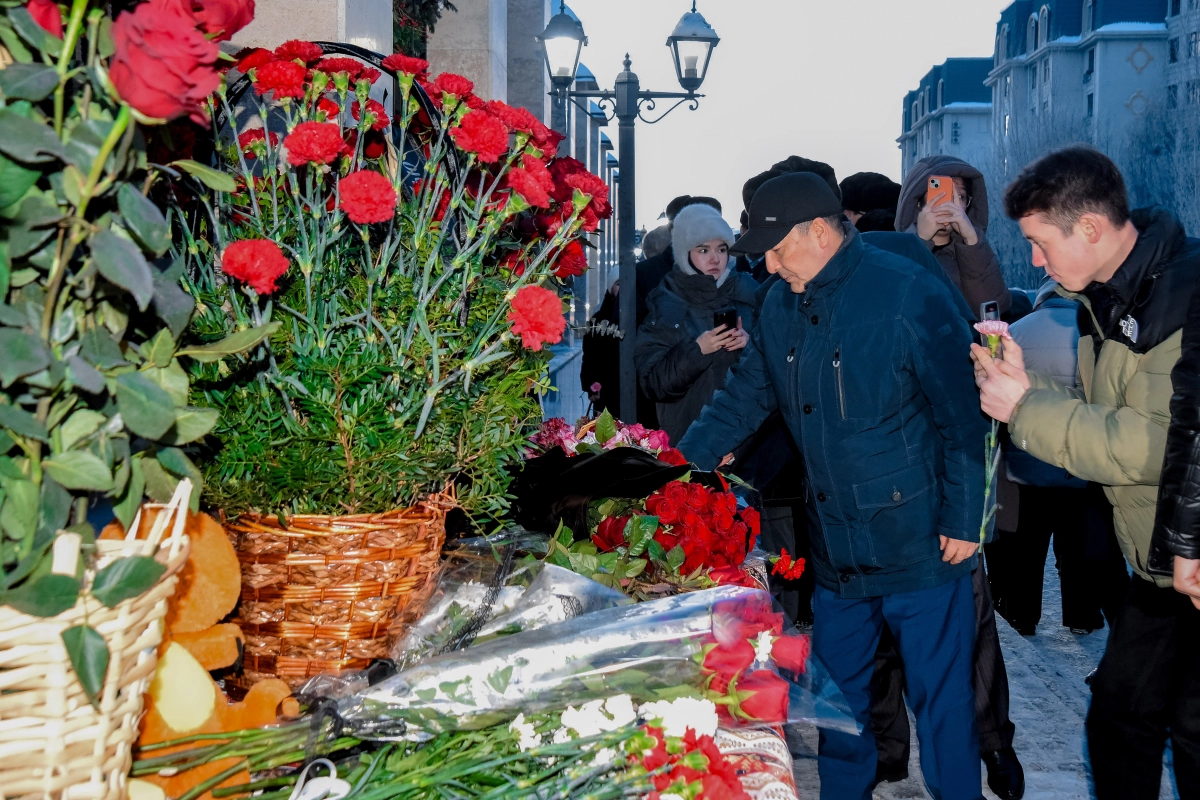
1134, 274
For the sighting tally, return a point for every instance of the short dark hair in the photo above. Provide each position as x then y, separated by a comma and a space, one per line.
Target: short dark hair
685, 200
788, 165
1067, 184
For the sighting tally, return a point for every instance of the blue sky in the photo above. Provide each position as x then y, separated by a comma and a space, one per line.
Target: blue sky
822, 79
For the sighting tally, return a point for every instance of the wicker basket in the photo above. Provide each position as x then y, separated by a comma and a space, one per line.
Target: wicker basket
54, 745
326, 594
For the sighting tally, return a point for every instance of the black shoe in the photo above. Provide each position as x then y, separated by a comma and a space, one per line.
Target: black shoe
1005, 776
885, 773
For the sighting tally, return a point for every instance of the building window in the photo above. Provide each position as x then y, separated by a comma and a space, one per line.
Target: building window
915, 114
1007, 85
1173, 50
1046, 71
1089, 16
1091, 105
1031, 34
1007, 123
1033, 78
941, 98
1174, 8
1044, 26
1172, 97
1193, 92
1193, 44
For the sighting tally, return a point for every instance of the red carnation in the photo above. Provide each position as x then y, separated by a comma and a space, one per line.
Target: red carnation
254, 142
284, 78
532, 181
47, 15
768, 700
298, 50
314, 142
329, 108
791, 652
369, 74
377, 117
340, 64
163, 66
482, 134
537, 317
449, 83
571, 261
257, 262
546, 139
398, 62
728, 660
254, 58
374, 145
610, 534
367, 196
221, 19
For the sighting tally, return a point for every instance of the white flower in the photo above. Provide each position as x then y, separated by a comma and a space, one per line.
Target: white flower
762, 648
682, 713
604, 757
562, 736
620, 708
528, 737
590, 719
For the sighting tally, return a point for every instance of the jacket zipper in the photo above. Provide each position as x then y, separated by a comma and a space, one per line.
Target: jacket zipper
793, 381
841, 389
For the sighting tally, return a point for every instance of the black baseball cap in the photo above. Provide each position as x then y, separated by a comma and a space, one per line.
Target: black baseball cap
782, 203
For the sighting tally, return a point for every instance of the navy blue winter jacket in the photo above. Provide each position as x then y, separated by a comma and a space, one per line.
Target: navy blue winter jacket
870, 368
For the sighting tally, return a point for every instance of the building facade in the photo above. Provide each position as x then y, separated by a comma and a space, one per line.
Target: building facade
949, 113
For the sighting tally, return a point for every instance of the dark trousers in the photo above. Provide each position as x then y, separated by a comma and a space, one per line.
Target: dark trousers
1146, 689
934, 631
889, 720
1090, 566
786, 526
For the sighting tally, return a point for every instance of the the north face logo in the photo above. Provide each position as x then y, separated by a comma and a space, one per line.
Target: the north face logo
1129, 327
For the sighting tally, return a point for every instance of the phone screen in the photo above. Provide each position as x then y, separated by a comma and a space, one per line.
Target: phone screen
727, 318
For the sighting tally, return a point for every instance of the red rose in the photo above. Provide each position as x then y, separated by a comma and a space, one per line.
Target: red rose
482, 134
676, 492
221, 19
743, 618
254, 58
329, 108
664, 508
723, 521
47, 15
610, 534
750, 517
257, 262
297, 50
366, 197
669, 455
791, 652
768, 700
398, 62
728, 660
571, 261
314, 143
666, 538
337, 64
732, 576
163, 66
449, 83
537, 317
377, 118
284, 78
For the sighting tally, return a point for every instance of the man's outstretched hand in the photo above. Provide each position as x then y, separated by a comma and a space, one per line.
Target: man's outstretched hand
1001, 384
957, 551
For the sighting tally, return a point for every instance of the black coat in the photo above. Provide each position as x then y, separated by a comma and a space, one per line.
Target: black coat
650, 274
1177, 522
671, 369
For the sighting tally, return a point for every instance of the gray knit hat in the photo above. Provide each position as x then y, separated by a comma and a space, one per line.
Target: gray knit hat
695, 225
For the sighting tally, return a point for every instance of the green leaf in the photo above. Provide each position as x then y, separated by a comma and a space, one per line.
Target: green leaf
173, 305
24, 354
28, 81
121, 262
230, 345
46, 596
81, 424
639, 530
87, 138
656, 551
21, 422
89, 656
28, 140
14, 44
105, 46
85, 376
144, 219
191, 424
499, 679
179, 464
635, 568
33, 33
564, 535
159, 483
126, 578
79, 469
159, 350
5, 264
145, 407
675, 558
213, 179
172, 380
606, 427
54, 507
100, 349
126, 508
18, 516
15, 179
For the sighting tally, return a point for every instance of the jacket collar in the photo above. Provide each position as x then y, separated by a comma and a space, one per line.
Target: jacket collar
844, 261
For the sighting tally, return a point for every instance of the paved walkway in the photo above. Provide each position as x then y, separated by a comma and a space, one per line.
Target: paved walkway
1049, 703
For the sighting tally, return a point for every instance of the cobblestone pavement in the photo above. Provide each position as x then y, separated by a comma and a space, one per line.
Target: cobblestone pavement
1049, 703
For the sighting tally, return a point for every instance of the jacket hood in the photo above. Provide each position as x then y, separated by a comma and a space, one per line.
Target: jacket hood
918, 179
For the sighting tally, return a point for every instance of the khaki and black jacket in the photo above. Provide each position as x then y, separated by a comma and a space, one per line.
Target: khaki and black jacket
1113, 429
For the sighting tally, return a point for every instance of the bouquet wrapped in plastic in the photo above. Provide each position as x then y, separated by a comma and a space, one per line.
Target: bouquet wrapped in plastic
726, 645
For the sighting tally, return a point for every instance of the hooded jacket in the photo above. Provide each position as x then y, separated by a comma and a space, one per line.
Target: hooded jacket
1112, 429
974, 269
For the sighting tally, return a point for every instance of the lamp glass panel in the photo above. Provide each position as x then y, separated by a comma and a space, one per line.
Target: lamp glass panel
561, 55
692, 58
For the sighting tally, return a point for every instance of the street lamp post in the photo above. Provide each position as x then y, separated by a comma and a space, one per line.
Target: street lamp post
691, 44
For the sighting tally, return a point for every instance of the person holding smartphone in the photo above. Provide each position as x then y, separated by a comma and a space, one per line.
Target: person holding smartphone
698, 321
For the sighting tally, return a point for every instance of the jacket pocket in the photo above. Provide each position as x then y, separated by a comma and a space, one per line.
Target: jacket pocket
897, 513
841, 383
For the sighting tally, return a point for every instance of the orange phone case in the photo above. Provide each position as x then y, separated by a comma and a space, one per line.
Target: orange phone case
939, 185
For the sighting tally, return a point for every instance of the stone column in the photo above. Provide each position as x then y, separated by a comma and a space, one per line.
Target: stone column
366, 23
473, 42
528, 83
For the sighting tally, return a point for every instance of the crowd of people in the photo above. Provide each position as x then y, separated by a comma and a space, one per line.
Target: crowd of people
825, 354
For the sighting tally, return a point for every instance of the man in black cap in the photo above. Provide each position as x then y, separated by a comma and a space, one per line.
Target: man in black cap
857, 348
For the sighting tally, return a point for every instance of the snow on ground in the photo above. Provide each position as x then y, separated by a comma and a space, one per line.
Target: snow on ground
1049, 703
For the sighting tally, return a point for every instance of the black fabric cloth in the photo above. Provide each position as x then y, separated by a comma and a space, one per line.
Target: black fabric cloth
601, 361
1146, 689
671, 368
650, 273
889, 720
1177, 523
1090, 566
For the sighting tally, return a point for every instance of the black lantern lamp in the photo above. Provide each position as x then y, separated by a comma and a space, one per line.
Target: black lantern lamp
691, 44
562, 41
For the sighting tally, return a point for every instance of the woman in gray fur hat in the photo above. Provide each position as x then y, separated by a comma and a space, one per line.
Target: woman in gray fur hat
682, 355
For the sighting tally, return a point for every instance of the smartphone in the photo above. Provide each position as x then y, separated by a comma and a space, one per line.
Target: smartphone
988, 310
939, 185
727, 317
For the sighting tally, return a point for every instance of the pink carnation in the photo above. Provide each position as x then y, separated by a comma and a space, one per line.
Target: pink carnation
993, 327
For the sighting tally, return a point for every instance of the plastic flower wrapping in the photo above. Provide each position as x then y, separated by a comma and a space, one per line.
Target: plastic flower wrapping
726, 645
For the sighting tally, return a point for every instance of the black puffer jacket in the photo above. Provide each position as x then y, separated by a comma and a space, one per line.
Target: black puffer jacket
671, 369
1177, 522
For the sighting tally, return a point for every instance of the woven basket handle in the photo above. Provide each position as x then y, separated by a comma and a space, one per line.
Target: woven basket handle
173, 513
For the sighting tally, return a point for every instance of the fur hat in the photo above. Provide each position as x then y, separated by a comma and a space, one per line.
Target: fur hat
788, 165
868, 191
695, 225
